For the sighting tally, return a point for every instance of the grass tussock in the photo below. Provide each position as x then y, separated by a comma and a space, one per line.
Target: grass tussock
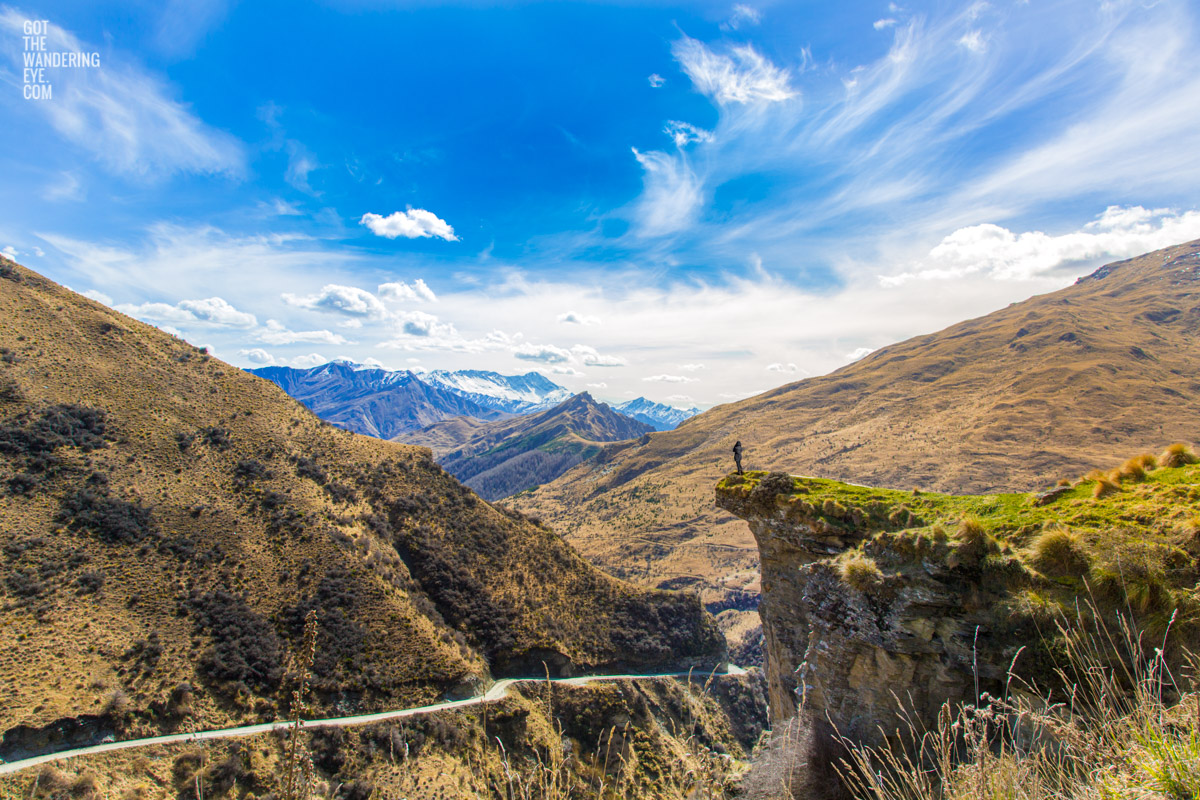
861, 572
1059, 552
1105, 486
1126, 726
1178, 455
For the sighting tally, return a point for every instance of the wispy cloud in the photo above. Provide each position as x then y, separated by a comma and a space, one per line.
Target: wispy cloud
740, 76
125, 116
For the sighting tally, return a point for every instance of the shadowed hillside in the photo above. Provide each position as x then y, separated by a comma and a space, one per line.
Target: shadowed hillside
501, 458
167, 521
1014, 400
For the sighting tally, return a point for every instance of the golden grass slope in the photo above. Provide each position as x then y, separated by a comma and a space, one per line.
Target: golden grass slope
1010, 401
166, 520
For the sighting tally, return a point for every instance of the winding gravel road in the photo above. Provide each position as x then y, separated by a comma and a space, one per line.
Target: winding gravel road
495, 692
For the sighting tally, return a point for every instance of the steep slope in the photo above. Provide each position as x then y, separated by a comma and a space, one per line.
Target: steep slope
500, 458
657, 415
167, 521
374, 402
512, 394
1009, 401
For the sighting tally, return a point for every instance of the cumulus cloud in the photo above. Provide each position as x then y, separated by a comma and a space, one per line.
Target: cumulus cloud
670, 379
1119, 232
99, 297
591, 358
779, 367
742, 76
859, 352
310, 360
574, 318
419, 323
210, 311
403, 292
258, 356
655, 80
684, 133
569, 372
543, 353
415, 223
126, 117
337, 299
277, 334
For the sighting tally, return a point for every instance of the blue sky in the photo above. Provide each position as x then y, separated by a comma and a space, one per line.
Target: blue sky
689, 202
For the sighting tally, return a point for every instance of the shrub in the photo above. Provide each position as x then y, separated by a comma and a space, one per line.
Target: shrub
1104, 487
861, 572
58, 426
1133, 470
249, 469
1177, 455
244, 649
90, 582
113, 520
216, 438
974, 542
1058, 552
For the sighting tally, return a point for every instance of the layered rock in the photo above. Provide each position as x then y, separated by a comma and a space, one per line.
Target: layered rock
852, 646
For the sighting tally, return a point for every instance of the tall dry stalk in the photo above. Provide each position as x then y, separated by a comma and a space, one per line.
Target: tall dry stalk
299, 778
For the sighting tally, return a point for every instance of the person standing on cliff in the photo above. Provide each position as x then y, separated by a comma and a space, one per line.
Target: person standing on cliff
737, 456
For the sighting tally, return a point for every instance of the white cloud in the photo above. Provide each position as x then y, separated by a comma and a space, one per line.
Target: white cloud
569, 372
973, 40
39, 252
544, 353
671, 196
1119, 232
684, 133
860, 352
573, 318
338, 299
66, 187
780, 367
10, 251
591, 358
600, 385
258, 356
403, 292
209, 311
655, 80
670, 379
300, 163
310, 360
277, 334
99, 297
680, 398
742, 16
415, 223
744, 76
880, 24
691, 367
418, 323
126, 117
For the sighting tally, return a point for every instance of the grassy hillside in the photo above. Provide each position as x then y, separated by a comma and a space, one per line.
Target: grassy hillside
1007, 402
167, 520
504, 457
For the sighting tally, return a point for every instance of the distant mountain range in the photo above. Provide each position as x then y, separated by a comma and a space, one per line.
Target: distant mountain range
497, 459
659, 416
388, 404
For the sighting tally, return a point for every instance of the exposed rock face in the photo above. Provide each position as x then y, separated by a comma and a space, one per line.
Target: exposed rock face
854, 653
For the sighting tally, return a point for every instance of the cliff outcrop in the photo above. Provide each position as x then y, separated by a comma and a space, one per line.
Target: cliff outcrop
878, 604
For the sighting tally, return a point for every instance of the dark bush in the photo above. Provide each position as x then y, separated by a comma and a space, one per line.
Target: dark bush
23, 583
307, 468
245, 648
217, 438
184, 440
58, 426
90, 582
23, 484
340, 638
113, 520
248, 470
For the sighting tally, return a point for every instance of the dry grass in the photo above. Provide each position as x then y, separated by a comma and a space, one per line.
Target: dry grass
1123, 726
1105, 486
1059, 552
861, 572
1177, 455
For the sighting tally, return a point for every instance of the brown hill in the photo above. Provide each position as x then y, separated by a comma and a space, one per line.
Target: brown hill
1014, 400
167, 520
500, 458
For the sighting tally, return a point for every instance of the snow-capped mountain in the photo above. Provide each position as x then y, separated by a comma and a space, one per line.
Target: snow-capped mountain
513, 394
659, 416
